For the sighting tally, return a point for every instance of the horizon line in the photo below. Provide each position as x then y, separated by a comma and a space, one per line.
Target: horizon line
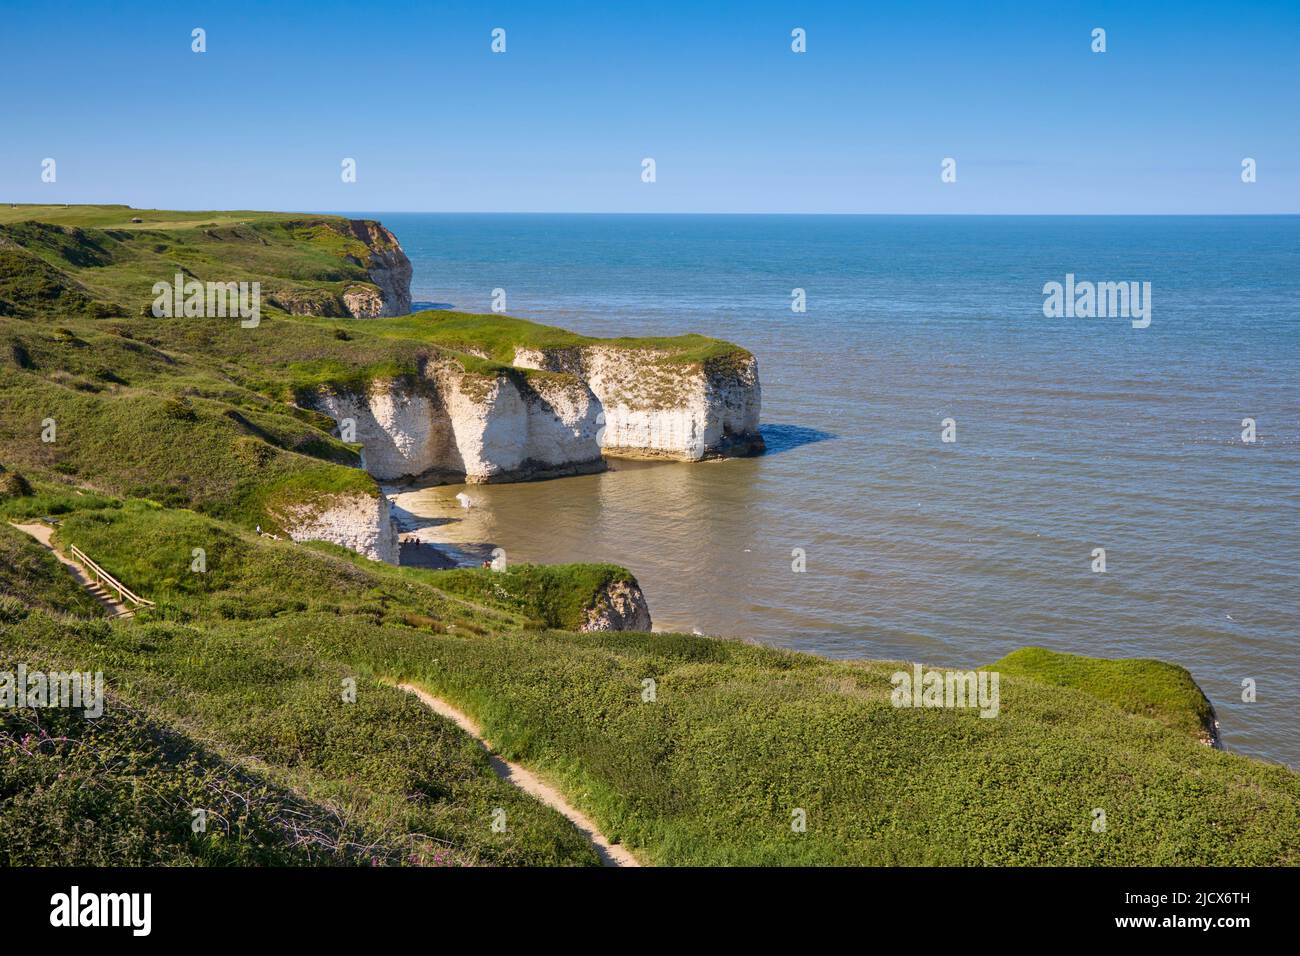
669, 212
1023, 215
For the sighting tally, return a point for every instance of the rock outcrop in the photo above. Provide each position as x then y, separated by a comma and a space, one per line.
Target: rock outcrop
620, 606
1210, 730
357, 521
363, 301
557, 412
389, 270
454, 425
385, 289
655, 407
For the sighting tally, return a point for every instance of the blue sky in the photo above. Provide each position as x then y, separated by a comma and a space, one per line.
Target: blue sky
735, 121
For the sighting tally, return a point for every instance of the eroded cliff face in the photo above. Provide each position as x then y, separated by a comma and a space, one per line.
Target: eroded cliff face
655, 408
386, 290
589, 402
396, 425
363, 523
456, 425
388, 269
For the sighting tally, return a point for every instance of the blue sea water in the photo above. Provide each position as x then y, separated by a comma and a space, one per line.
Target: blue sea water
1072, 434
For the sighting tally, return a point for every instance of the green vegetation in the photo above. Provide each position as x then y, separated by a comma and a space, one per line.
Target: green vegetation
499, 336
1162, 691
121, 790
238, 713
177, 434
13, 485
193, 452
49, 499
27, 569
740, 737
248, 658
117, 216
115, 263
554, 596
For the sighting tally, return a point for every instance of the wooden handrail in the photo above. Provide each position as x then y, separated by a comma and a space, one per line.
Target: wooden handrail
103, 577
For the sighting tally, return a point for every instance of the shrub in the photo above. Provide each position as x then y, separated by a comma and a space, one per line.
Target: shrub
14, 485
12, 610
179, 409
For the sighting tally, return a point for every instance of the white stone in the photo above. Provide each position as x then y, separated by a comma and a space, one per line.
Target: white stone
357, 521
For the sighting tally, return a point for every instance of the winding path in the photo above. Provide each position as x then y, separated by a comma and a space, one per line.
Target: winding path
611, 854
42, 533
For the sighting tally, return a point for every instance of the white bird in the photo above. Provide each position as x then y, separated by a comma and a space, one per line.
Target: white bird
464, 499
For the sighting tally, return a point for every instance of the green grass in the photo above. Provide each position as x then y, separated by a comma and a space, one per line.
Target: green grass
500, 335
100, 256
51, 499
381, 780
250, 578
112, 215
1151, 688
554, 596
121, 790
192, 452
31, 575
738, 737
31, 287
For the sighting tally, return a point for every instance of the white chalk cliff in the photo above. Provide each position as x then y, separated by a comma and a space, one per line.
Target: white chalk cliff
659, 409
455, 425
571, 409
361, 522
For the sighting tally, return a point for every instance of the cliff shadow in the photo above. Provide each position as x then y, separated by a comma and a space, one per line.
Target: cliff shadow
414, 553
780, 438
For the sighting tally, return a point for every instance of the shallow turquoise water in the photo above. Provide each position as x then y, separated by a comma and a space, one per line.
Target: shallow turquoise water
1072, 434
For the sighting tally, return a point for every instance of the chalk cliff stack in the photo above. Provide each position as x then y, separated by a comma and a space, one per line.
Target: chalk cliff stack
552, 413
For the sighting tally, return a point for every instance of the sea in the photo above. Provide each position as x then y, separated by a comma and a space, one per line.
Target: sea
951, 466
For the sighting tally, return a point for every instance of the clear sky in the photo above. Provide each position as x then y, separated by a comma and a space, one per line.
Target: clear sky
735, 121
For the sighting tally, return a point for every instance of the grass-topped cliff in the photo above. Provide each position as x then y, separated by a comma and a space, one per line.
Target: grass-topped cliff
179, 434
1156, 689
204, 412
98, 261
499, 337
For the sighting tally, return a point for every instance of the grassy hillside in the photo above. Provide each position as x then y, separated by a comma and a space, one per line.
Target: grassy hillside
381, 780
741, 737
737, 738
32, 577
121, 790
118, 216
98, 252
